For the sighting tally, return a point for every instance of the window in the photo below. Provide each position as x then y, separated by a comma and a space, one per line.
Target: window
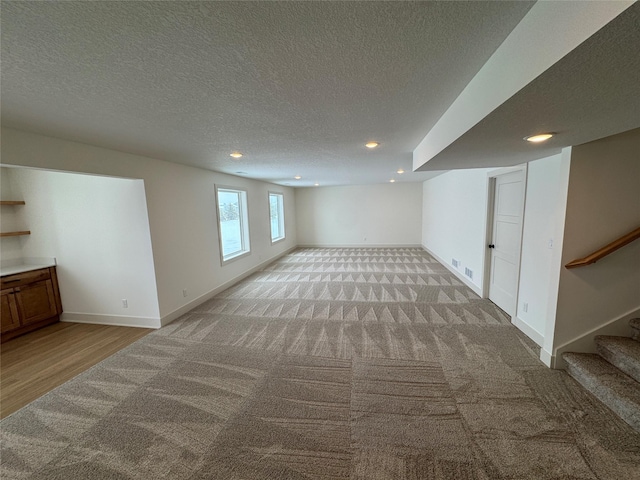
276, 216
233, 222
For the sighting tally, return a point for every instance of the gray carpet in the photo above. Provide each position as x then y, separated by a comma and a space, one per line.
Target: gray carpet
330, 364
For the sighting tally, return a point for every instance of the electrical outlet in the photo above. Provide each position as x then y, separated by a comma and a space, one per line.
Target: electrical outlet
184, 292
125, 303
525, 307
550, 243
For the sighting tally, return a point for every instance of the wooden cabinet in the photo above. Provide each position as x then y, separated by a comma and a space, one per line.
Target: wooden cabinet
9, 315
36, 302
30, 300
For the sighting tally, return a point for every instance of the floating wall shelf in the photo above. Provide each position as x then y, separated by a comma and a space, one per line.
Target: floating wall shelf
15, 234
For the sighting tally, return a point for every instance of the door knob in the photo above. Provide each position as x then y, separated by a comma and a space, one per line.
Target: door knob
492, 246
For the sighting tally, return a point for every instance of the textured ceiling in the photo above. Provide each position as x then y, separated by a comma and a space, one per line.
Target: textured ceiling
591, 93
298, 87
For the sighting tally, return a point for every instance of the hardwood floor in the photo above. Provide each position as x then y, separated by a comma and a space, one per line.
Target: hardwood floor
35, 363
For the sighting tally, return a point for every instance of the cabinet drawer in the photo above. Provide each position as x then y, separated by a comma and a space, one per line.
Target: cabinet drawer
19, 279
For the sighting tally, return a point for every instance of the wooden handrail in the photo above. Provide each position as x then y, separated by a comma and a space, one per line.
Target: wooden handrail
606, 250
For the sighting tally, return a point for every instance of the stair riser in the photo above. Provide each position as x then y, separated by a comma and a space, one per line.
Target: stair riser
628, 365
635, 329
628, 413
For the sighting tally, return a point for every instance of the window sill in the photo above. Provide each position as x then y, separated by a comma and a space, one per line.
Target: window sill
277, 240
225, 261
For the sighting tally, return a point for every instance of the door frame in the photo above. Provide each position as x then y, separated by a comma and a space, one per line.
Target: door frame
491, 193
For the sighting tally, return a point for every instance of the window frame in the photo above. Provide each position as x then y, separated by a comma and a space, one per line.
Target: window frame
243, 211
280, 220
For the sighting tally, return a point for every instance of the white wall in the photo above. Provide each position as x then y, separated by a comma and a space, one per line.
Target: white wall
603, 204
360, 215
454, 226
181, 210
98, 230
6, 192
454, 217
542, 234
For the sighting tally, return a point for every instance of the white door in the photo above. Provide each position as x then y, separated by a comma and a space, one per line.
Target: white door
505, 240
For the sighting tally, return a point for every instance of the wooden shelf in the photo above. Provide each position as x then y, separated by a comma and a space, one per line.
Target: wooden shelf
15, 234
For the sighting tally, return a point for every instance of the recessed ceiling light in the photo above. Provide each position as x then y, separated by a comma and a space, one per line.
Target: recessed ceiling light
371, 144
297, 177
235, 155
539, 138
316, 184
393, 180
401, 171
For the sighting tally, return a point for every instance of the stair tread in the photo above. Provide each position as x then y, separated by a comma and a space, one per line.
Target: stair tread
606, 373
615, 389
623, 345
622, 352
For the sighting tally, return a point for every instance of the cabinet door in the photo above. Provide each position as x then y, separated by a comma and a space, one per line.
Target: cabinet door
36, 302
9, 315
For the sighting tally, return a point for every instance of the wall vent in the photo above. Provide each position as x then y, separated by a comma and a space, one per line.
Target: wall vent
455, 263
468, 272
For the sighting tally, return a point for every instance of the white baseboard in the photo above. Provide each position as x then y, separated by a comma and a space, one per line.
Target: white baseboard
360, 245
116, 320
528, 330
546, 358
461, 277
585, 343
170, 317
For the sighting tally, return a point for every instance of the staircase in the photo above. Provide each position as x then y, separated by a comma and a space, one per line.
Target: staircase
613, 374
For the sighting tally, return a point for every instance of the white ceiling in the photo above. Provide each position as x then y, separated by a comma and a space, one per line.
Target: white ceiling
591, 93
299, 87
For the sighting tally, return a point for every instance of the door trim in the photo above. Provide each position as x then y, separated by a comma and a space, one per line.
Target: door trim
491, 184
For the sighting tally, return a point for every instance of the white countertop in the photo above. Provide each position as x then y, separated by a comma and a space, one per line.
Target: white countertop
25, 265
